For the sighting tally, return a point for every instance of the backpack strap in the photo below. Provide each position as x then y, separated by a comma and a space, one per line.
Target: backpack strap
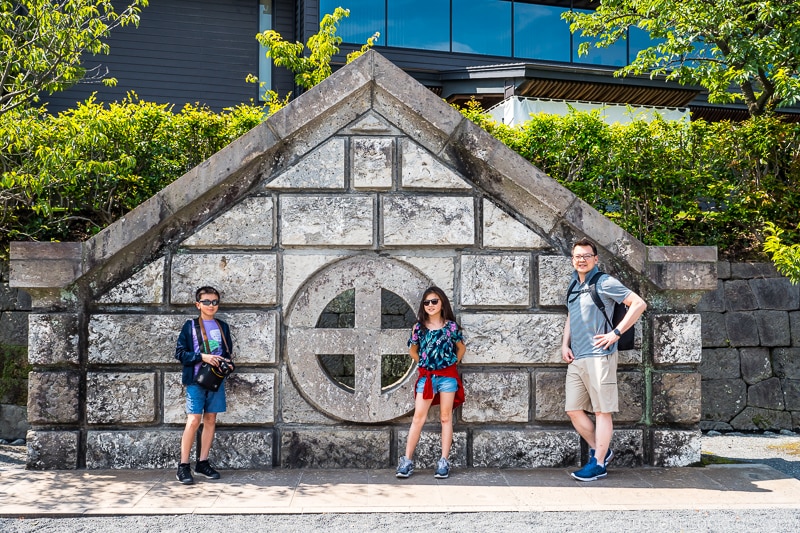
596, 297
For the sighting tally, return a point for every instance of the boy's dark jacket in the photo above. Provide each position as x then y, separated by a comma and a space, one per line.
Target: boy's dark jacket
184, 350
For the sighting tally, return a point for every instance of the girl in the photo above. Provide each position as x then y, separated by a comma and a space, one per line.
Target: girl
437, 346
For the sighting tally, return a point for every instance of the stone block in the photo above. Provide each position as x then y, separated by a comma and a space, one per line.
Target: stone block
496, 397
174, 399
326, 220
791, 394
373, 160
501, 231
14, 328
755, 364
676, 339
794, 326
714, 330
715, 426
723, 399
676, 398
796, 420
322, 168
713, 301
554, 277
421, 170
428, 220
759, 419
120, 397
13, 299
440, 270
135, 449
676, 448
247, 224
241, 278
126, 339
52, 450
720, 363
13, 422
724, 269
524, 448
739, 296
683, 276
250, 399
766, 394
335, 448
52, 339
786, 362
549, 396
631, 396
628, 446
254, 336
429, 448
495, 280
773, 328
742, 329
44, 264
748, 271
776, 293
53, 397
242, 450
143, 287
513, 338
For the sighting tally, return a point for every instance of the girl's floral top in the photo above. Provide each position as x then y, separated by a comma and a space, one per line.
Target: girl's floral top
437, 348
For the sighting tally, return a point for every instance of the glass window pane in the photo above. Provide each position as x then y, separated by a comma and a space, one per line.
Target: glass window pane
539, 32
366, 17
639, 40
423, 24
264, 63
615, 55
482, 27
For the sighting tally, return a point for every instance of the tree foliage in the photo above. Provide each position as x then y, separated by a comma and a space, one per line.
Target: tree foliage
739, 50
786, 257
42, 43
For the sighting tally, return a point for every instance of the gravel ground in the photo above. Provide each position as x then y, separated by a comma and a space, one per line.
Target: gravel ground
781, 452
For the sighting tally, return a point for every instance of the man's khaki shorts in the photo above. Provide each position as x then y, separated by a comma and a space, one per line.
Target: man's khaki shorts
592, 385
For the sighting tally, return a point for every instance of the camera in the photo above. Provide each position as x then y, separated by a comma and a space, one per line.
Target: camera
225, 368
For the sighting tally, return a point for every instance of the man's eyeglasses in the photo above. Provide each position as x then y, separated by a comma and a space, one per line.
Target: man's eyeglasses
208, 302
432, 301
583, 257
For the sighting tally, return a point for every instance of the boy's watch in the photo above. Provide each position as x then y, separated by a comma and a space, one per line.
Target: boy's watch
617, 333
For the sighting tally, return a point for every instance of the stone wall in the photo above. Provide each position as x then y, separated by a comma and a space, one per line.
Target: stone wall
751, 350
14, 307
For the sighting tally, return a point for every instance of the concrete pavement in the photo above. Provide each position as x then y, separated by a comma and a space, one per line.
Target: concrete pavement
30, 494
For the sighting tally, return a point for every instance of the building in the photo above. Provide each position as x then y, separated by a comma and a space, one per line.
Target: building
202, 51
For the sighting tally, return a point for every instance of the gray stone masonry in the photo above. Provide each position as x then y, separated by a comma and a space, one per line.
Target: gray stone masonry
365, 190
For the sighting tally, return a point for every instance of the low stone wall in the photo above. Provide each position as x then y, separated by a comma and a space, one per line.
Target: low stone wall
751, 350
14, 308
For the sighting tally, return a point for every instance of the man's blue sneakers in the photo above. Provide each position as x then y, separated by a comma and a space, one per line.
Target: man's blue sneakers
590, 472
609, 455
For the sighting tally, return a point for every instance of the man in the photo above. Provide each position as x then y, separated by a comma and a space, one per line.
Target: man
590, 349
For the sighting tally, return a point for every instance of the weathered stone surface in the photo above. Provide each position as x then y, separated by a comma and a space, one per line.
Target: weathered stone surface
773, 328
440, 270
14, 328
766, 394
371, 124
53, 397
295, 409
724, 270
628, 446
496, 397
676, 339
421, 170
247, 224
513, 338
488, 280
120, 397
241, 278
524, 448
323, 168
13, 422
143, 287
713, 301
715, 426
776, 293
139, 449
326, 220
174, 399
52, 450
429, 448
676, 448
335, 448
720, 363
373, 158
786, 362
238, 450
52, 339
554, 278
756, 365
501, 231
125, 339
723, 399
254, 336
794, 326
739, 296
631, 396
759, 419
742, 329
428, 220
752, 270
791, 394
298, 267
250, 398
676, 398
549, 396
714, 331
683, 276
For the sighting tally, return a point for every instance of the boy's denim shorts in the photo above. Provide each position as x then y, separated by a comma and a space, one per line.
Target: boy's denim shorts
439, 384
200, 400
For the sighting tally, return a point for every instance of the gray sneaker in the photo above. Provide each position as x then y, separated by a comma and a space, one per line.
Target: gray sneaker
442, 469
405, 467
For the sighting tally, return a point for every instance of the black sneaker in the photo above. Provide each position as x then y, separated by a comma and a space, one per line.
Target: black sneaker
184, 474
205, 469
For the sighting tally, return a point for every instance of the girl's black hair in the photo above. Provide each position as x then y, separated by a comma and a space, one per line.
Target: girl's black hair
447, 310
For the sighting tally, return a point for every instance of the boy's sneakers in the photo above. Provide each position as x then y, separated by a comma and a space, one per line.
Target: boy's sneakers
184, 474
405, 467
442, 469
609, 455
205, 469
590, 472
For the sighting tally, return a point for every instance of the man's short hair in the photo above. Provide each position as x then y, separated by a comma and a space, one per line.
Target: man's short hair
205, 290
585, 242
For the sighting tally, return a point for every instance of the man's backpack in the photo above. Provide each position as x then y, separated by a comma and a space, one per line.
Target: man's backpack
625, 342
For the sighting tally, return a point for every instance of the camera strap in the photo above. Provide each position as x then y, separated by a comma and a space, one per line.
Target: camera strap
205, 337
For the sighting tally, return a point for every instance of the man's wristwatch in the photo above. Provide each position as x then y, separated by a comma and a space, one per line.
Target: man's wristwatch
617, 333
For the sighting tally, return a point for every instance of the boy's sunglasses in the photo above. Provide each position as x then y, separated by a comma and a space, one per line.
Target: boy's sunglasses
432, 301
209, 302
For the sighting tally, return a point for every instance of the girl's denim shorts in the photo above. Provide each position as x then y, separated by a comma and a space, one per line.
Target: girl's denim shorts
439, 384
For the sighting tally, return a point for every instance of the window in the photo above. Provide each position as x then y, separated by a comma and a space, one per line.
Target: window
264, 63
540, 33
482, 27
615, 55
366, 17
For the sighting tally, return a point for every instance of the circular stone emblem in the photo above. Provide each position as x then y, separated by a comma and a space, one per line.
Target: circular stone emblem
367, 401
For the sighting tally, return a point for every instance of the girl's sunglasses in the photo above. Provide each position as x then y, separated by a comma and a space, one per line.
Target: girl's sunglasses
432, 301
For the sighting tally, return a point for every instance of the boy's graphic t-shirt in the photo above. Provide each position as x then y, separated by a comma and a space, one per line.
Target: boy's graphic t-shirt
214, 341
